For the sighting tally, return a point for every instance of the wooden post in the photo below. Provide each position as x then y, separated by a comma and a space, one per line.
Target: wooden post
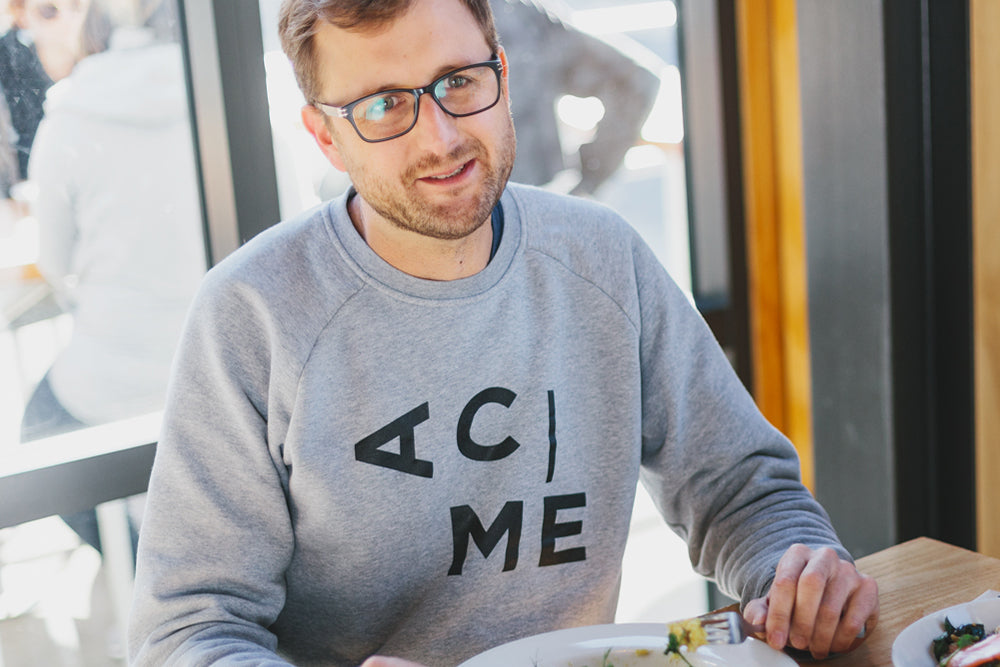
985, 71
772, 149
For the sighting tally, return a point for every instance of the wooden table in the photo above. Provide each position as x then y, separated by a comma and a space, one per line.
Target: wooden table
917, 578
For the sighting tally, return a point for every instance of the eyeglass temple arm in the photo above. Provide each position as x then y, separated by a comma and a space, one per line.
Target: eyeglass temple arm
330, 110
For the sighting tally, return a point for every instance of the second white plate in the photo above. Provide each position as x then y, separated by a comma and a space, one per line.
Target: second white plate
912, 647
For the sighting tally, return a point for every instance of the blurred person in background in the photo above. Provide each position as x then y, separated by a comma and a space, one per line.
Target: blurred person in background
44, 41
119, 225
24, 82
553, 59
57, 31
9, 168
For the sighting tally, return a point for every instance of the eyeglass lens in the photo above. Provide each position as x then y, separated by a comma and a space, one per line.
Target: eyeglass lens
461, 93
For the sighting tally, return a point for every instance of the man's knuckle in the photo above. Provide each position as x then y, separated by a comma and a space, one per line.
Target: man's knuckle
812, 581
847, 569
828, 614
828, 553
784, 581
853, 624
800, 550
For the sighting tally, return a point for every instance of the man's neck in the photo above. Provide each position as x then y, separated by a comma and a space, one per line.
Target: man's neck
418, 255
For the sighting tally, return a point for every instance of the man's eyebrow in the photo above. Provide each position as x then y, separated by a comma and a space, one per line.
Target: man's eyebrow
451, 68
441, 71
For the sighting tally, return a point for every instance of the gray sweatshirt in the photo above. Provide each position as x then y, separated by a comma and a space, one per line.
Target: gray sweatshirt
357, 461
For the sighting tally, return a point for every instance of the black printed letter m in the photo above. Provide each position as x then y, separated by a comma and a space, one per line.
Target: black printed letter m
464, 523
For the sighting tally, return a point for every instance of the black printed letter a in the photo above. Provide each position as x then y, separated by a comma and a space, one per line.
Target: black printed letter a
368, 449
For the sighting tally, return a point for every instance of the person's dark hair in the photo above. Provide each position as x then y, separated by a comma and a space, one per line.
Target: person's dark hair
299, 20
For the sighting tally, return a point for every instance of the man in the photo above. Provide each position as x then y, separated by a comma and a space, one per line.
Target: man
410, 422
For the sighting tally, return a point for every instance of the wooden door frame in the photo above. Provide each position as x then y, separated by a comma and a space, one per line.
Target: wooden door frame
985, 74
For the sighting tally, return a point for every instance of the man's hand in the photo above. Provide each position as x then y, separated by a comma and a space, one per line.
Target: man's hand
817, 602
380, 661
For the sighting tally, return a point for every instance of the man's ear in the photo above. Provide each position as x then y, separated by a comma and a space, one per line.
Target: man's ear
316, 122
506, 72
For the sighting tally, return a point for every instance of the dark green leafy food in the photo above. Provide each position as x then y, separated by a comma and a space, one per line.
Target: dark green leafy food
955, 638
947, 648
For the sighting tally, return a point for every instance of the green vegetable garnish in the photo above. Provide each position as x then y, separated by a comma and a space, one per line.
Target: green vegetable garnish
955, 639
674, 646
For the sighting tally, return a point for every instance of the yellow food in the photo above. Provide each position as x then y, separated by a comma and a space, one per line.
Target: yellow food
689, 633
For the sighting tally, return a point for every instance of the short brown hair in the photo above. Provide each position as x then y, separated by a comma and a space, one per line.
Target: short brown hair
299, 20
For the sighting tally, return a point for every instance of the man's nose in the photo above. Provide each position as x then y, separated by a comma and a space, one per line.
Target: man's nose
436, 128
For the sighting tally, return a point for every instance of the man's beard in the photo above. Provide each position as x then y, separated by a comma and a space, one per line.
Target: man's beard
448, 221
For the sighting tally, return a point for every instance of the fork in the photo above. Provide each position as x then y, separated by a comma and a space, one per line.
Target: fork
727, 627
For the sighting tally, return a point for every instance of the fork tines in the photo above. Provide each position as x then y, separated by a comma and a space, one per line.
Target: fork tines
727, 627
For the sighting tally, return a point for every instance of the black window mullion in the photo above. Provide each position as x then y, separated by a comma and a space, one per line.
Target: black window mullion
224, 47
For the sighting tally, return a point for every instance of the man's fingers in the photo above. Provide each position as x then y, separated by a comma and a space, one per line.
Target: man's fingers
840, 586
859, 618
819, 591
755, 612
782, 596
817, 602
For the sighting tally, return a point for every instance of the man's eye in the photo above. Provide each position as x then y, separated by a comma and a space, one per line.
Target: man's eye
377, 108
457, 81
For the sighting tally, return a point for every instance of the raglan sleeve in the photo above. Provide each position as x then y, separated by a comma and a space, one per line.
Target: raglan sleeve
722, 476
216, 537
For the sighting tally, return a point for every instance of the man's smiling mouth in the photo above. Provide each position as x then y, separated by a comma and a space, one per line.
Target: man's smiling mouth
443, 177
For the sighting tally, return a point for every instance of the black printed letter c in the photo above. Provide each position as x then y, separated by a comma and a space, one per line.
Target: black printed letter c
466, 444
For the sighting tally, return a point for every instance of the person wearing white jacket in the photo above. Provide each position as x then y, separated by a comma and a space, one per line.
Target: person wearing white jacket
120, 230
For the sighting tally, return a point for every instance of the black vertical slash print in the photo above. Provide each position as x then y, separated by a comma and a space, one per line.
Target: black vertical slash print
552, 436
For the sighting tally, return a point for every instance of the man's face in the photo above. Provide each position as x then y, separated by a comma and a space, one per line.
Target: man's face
443, 177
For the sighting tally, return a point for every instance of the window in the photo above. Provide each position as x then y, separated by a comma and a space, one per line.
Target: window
102, 216
101, 250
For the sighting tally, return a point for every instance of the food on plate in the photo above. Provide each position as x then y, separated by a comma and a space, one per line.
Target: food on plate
606, 660
985, 653
690, 634
966, 646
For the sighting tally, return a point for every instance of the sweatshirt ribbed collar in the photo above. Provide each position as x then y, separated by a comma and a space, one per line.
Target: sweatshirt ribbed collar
381, 274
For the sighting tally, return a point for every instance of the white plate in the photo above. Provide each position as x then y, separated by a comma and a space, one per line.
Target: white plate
587, 646
912, 647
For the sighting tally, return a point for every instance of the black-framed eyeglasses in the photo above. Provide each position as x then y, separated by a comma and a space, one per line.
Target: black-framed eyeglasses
388, 114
